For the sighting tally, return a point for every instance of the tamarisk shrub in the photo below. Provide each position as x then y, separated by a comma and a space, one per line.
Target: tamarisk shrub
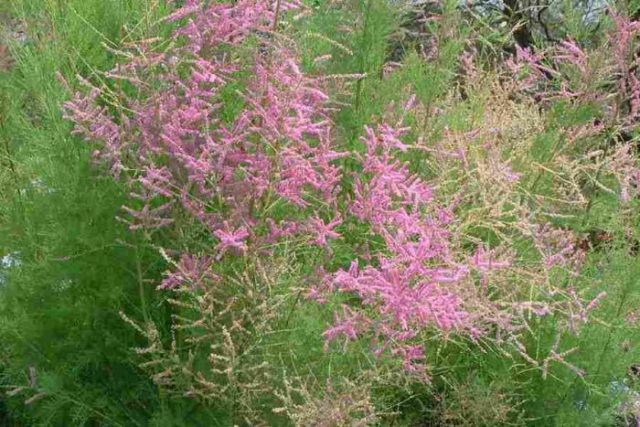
432, 273
224, 326
164, 136
170, 141
270, 172
604, 79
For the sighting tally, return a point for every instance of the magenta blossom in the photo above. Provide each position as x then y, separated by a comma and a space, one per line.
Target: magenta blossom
231, 238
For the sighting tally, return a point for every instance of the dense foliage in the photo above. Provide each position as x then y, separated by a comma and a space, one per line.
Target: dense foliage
352, 212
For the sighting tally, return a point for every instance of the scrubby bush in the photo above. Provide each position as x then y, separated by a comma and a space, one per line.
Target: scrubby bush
351, 234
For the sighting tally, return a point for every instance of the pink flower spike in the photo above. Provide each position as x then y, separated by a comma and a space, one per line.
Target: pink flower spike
231, 239
594, 302
324, 231
410, 355
192, 271
347, 325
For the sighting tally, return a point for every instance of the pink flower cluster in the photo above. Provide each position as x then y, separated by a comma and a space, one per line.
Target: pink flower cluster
416, 283
189, 165
564, 72
171, 141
